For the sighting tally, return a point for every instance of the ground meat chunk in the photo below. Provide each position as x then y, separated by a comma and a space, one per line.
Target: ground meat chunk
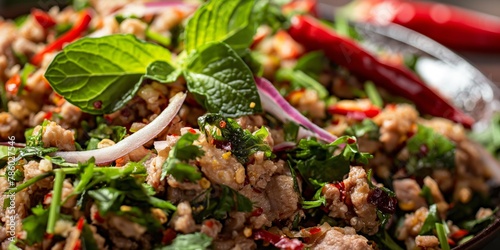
442, 205
427, 241
395, 123
408, 194
282, 196
356, 190
133, 26
221, 167
70, 115
259, 173
56, 136
211, 228
412, 224
9, 126
337, 238
183, 218
127, 228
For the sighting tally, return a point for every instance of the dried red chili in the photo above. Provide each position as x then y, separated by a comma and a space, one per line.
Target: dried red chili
314, 36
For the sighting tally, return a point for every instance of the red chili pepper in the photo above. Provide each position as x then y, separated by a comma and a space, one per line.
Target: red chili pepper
278, 241
78, 245
43, 18
458, 235
358, 114
74, 33
80, 223
454, 27
345, 52
168, 236
12, 85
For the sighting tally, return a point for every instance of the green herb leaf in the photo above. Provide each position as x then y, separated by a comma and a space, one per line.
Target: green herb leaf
218, 207
318, 164
87, 238
474, 226
242, 143
162, 72
299, 79
195, 241
103, 131
221, 21
365, 127
490, 137
35, 224
430, 221
25, 73
221, 82
184, 150
429, 150
372, 93
291, 131
100, 75
317, 200
107, 199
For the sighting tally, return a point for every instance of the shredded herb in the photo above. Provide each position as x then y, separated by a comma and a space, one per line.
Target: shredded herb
372, 93
176, 163
317, 200
195, 241
429, 150
218, 204
240, 142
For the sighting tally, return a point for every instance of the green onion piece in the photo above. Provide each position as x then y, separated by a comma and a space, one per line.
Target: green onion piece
372, 93
27, 70
443, 239
55, 205
3, 97
159, 38
465, 239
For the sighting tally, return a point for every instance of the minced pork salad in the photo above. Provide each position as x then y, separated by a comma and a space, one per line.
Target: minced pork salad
232, 124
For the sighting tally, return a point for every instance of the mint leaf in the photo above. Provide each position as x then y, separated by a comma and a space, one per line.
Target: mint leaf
162, 72
221, 82
195, 241
100, 75
221, 21
240, 142
184, 150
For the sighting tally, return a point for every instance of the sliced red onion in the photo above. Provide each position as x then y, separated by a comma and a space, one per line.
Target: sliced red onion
132, 142
284, 146
275, 104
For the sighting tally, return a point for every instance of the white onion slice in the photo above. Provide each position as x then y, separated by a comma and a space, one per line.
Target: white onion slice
131, 142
